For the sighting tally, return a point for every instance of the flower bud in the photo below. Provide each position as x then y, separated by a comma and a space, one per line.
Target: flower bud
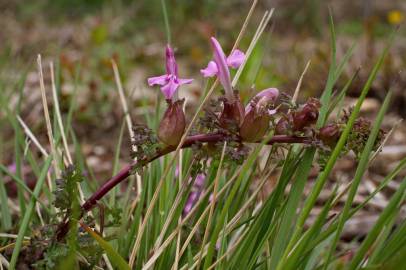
173, 124
232, 115
257, 115
329, 134
307, 116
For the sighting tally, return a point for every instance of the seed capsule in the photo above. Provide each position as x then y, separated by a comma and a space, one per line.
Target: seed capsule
173, 124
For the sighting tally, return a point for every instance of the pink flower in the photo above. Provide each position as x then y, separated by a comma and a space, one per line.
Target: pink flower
220, 64
170, 81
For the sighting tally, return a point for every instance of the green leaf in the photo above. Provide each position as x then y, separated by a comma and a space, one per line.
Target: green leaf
394, 243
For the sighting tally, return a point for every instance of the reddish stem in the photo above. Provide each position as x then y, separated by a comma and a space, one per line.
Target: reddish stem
200, 138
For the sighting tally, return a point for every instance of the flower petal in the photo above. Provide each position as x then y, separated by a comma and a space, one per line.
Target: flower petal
171, 66
262, 98
169, 89
270, 93
160, 80
211, 70
235, 59
223, 72
184, 81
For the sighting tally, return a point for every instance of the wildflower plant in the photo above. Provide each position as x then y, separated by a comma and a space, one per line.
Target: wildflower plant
209, 213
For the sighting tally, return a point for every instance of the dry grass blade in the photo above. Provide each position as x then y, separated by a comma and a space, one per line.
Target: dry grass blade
385, 140
177, 257
262, 25
178, 243
14, 236
32, 137
245, 24
48, 124
3, 261
228, 252
126, 115
299, 83
123, 101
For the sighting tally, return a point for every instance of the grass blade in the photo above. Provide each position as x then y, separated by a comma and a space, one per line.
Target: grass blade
6, 221
392, 208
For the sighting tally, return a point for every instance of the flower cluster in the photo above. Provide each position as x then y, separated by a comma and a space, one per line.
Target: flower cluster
267, 111
251, 123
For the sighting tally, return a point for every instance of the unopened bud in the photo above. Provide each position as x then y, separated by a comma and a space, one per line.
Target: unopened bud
173, 124
330, 134
307, 116
257, 115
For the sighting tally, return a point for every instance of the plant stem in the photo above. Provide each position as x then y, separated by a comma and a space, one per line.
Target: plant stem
200, 138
